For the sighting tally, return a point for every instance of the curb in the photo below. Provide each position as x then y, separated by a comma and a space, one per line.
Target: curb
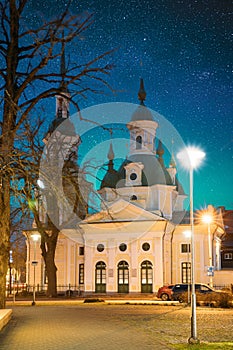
5, 316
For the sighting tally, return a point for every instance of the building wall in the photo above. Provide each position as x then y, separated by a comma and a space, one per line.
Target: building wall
223, 277
164, 254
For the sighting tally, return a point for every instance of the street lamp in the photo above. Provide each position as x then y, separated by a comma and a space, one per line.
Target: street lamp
191, 157
35, 237
207, 218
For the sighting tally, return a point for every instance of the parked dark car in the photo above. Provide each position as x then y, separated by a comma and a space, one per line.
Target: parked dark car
165, 292
204, 293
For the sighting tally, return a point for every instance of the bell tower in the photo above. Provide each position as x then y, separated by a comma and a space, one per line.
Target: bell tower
142, 127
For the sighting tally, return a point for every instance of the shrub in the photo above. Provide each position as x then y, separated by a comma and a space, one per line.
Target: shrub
224, 300
215, 299
218, 299
93, 300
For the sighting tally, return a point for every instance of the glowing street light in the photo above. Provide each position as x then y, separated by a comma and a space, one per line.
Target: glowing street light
35, 237
207, 218
191, 158
40, 183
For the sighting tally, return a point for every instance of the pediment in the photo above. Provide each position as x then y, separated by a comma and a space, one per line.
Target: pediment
122, 210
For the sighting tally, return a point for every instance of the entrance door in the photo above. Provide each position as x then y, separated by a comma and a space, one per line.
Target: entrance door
100, 277
123, 277
146, 277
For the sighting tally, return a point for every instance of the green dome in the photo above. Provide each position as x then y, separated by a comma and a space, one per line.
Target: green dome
152, 174
142, 113
110, 179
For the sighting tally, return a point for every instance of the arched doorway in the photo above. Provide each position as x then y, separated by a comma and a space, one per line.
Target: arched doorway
100, 277
123, 277
146, 277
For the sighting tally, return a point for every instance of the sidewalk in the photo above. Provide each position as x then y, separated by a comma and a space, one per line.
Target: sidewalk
41, 302
75, 326
68, 325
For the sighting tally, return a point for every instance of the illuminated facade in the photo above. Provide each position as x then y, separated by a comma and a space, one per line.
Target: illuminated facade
138, 241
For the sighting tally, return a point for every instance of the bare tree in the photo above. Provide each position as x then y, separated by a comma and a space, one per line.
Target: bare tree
17, 261
27, 56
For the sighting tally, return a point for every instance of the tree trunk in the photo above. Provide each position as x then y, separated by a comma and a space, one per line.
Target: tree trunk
4, 238
51, 271
6, 147
48, 248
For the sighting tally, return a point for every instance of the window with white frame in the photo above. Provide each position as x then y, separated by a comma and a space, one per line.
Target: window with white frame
81, 273
186, 272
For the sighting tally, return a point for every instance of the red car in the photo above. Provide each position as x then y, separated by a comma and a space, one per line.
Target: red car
165, 292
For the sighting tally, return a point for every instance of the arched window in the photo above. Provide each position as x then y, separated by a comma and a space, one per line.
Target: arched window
123, 277
100, 277
146, 277
138, 142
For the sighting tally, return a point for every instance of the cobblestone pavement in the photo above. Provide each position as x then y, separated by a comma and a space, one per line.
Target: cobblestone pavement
99, 326
83, 327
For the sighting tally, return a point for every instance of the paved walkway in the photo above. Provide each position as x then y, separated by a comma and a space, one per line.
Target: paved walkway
82, 327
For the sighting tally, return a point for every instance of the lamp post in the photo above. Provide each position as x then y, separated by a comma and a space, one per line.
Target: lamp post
187, 234
35, 237
207, 218
191, 158
10, 272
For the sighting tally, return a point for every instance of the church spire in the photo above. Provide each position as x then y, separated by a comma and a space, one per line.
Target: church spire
172, 166
62, 100
63, 65
141, 92
160, 152
172, 163
111, 156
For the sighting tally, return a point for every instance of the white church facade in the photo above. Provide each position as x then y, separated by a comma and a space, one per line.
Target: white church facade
140, 238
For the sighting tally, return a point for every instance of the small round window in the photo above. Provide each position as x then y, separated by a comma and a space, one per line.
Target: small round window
133, 176
100, 247
133, 197
146, 246
122, 247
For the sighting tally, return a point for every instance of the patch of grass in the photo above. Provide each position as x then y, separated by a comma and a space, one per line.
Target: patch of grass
205, 346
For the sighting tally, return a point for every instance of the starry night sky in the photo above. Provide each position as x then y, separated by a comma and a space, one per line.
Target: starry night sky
183, 50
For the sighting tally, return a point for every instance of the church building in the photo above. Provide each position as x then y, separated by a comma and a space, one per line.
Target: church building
140, 238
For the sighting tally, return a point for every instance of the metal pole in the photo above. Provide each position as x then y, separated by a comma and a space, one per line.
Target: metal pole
10, 279
188, 276
193, 338
34, 276
210, 255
